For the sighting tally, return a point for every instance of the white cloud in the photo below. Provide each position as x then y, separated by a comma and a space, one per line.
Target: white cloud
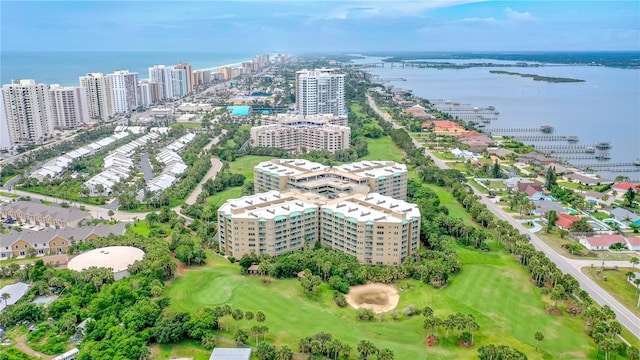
489, 20
391, 8
514, 15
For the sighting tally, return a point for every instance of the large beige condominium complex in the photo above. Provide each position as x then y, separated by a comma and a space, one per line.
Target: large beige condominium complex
302, 137
270, 222
374, 228
294, 119
385, 177
27, 112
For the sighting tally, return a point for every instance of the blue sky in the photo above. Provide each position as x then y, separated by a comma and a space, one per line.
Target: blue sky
320, 25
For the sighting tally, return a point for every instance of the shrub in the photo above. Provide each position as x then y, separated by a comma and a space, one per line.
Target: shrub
366, 314
339, 299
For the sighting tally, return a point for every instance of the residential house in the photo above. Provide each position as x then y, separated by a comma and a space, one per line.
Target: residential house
626, 216
36, 213
533, 190
602, 242
597, 198
565, 221
535, 159
623, 187
231, 354
586, 180
633, 243
500, 152
16, 292
544, 206
476, 141
52, 241
512, 182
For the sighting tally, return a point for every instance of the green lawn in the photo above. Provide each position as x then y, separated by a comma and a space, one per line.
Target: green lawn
491, 286
572, 185
244, 165
187, 125
600, 215
218, 199
617, 285
9, 195
384, 149
446, 199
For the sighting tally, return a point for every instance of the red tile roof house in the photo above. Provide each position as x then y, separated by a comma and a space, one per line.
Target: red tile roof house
625, 186
565, 221
633, 243
602, 242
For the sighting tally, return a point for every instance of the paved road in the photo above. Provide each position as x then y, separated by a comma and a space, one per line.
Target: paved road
216, 165
569, 266
145, 165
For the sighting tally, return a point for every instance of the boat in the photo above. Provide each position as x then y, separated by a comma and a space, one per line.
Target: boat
572, 138
603, 145
590, 149
637, 162
603, 156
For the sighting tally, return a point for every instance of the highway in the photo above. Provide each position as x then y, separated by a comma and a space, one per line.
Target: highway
569, 266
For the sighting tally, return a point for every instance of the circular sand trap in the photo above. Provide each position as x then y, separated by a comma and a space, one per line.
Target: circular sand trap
377, 297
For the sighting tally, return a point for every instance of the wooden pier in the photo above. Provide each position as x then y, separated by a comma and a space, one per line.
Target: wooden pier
543, 138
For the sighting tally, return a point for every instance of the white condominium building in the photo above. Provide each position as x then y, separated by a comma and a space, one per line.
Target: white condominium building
5, 139
145, 97
161, 74
124, 86
69, 106
27, 112
302, 137
385, 177
320, 91
99, 87
179, 82
374, 228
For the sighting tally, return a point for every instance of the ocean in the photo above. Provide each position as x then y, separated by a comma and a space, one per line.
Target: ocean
606, 107
65, 68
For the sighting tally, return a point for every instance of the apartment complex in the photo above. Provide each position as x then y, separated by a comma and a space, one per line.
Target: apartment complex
99, 87
124, 86
302, 137
38, 214
69, 106
293, 119
320, 91
26, 113
374, 228
188, 76
387, 178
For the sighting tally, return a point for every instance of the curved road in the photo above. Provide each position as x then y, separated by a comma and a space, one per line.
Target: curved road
569, 266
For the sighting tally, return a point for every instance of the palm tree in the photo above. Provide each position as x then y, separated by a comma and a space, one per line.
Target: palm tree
237, 315
634, 261
5, 298
366, 348
630, 275
249, 316
539, 337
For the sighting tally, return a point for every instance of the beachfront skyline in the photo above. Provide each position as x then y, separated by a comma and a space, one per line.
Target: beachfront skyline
303, 26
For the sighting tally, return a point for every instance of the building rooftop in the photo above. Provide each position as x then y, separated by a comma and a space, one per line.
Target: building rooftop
116, 258
31, 208
16, 292
230, 354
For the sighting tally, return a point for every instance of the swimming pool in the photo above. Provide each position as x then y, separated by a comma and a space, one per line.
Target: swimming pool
572, 211
615, 222
596, 225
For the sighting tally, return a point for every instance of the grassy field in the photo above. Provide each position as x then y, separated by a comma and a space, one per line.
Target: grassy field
509, 311
244, 165
72, 193
219, 198
187, 125
9, 195
446, 199
384, 149
617, 285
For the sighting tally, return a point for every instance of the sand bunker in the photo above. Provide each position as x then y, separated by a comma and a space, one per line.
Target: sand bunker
377, 297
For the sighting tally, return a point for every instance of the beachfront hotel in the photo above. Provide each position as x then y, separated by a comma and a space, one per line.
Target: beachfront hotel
374, 228
296, 133
384, 177
319, 91
26, 115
